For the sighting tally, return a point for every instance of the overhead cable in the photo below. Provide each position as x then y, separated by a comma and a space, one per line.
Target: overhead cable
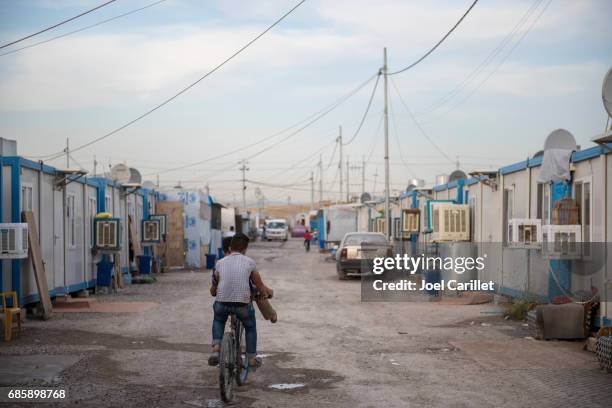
57, 37
56, 25
182, 91
438, 43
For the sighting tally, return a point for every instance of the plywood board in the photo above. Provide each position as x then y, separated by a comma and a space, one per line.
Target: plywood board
175, 233
38, 264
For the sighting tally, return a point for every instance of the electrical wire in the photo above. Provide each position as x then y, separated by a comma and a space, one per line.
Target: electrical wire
319, 115
397, 139
57, 25
499, 64
484, 63
438, 43
416, 123
83, 28
365, 114
167, 101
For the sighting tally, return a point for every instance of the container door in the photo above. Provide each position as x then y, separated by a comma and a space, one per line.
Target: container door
58, 239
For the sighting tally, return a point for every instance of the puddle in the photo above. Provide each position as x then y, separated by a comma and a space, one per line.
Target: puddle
286, 386
440, 348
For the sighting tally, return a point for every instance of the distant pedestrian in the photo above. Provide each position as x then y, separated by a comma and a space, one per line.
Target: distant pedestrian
307, 238
230, 233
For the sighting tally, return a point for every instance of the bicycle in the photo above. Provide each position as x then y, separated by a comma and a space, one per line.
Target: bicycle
233, 361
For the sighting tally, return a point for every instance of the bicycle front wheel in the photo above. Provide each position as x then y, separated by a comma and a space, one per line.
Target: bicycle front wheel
227, 361
242, 362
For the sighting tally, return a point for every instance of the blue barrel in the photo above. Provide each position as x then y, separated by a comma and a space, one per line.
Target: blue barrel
105, 272
210, 261
432, 276
145, 264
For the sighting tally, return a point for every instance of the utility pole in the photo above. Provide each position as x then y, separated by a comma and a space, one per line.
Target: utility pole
244, 169
157, 179
363, 175
375, 178
95, 166
67, 153
320, 181
311, 190
387, 192
348, 186
340, 162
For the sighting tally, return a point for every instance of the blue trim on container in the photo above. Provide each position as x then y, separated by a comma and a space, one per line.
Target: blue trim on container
460, 184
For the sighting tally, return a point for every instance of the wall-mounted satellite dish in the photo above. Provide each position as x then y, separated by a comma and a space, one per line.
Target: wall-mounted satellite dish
558, 149
538, 153
560, 139
606, 92
120, 173
135, 176
410, 187
149, 185
457, 175
365, 197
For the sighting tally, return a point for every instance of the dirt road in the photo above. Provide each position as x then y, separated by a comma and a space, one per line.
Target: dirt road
330, 347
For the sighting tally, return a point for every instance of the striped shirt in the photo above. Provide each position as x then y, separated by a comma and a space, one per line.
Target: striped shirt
233, 273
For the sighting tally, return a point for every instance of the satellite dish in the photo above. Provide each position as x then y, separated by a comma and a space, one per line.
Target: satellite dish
135, 176
538, 153
149, 185
410, 187
606, 92
365, 197
560, 139
120, 173
457, 175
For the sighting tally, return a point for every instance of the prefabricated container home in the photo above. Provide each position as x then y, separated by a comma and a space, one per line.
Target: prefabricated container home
64, 206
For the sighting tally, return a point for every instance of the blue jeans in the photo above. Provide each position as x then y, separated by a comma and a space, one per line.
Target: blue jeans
245, 313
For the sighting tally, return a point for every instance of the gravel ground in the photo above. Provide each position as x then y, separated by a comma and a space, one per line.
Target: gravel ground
337, 350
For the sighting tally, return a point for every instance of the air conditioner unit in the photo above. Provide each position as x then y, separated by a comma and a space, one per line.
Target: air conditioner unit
524, 233
450, 222
107, 233
150, 231
163, 222
14, 241
410, 221
562, 241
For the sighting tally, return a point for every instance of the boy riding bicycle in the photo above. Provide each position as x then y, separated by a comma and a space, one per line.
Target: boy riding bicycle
232, 284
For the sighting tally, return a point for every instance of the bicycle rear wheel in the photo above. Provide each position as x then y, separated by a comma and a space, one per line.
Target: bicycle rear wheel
227, 361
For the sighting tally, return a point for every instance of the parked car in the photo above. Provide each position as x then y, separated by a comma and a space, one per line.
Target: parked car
277, 230
357, 251
298, 231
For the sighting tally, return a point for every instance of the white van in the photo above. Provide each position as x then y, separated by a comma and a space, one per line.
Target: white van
277, 229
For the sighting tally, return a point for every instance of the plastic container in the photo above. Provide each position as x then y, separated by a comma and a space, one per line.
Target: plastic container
210, 261
105, 272
145, 264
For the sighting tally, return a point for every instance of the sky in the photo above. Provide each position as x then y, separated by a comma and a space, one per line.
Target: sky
511, 73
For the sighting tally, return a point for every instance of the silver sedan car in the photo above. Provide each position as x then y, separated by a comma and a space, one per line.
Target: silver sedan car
357, 251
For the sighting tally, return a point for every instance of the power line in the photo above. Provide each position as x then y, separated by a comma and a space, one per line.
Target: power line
500, 63
319, 115
216, 68
484, 63
57, 25
365, 114
421, 130
83, 28
438, 43
397, 139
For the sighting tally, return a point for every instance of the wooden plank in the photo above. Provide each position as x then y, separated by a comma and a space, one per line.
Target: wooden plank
174, 247
118, 272
38, 264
